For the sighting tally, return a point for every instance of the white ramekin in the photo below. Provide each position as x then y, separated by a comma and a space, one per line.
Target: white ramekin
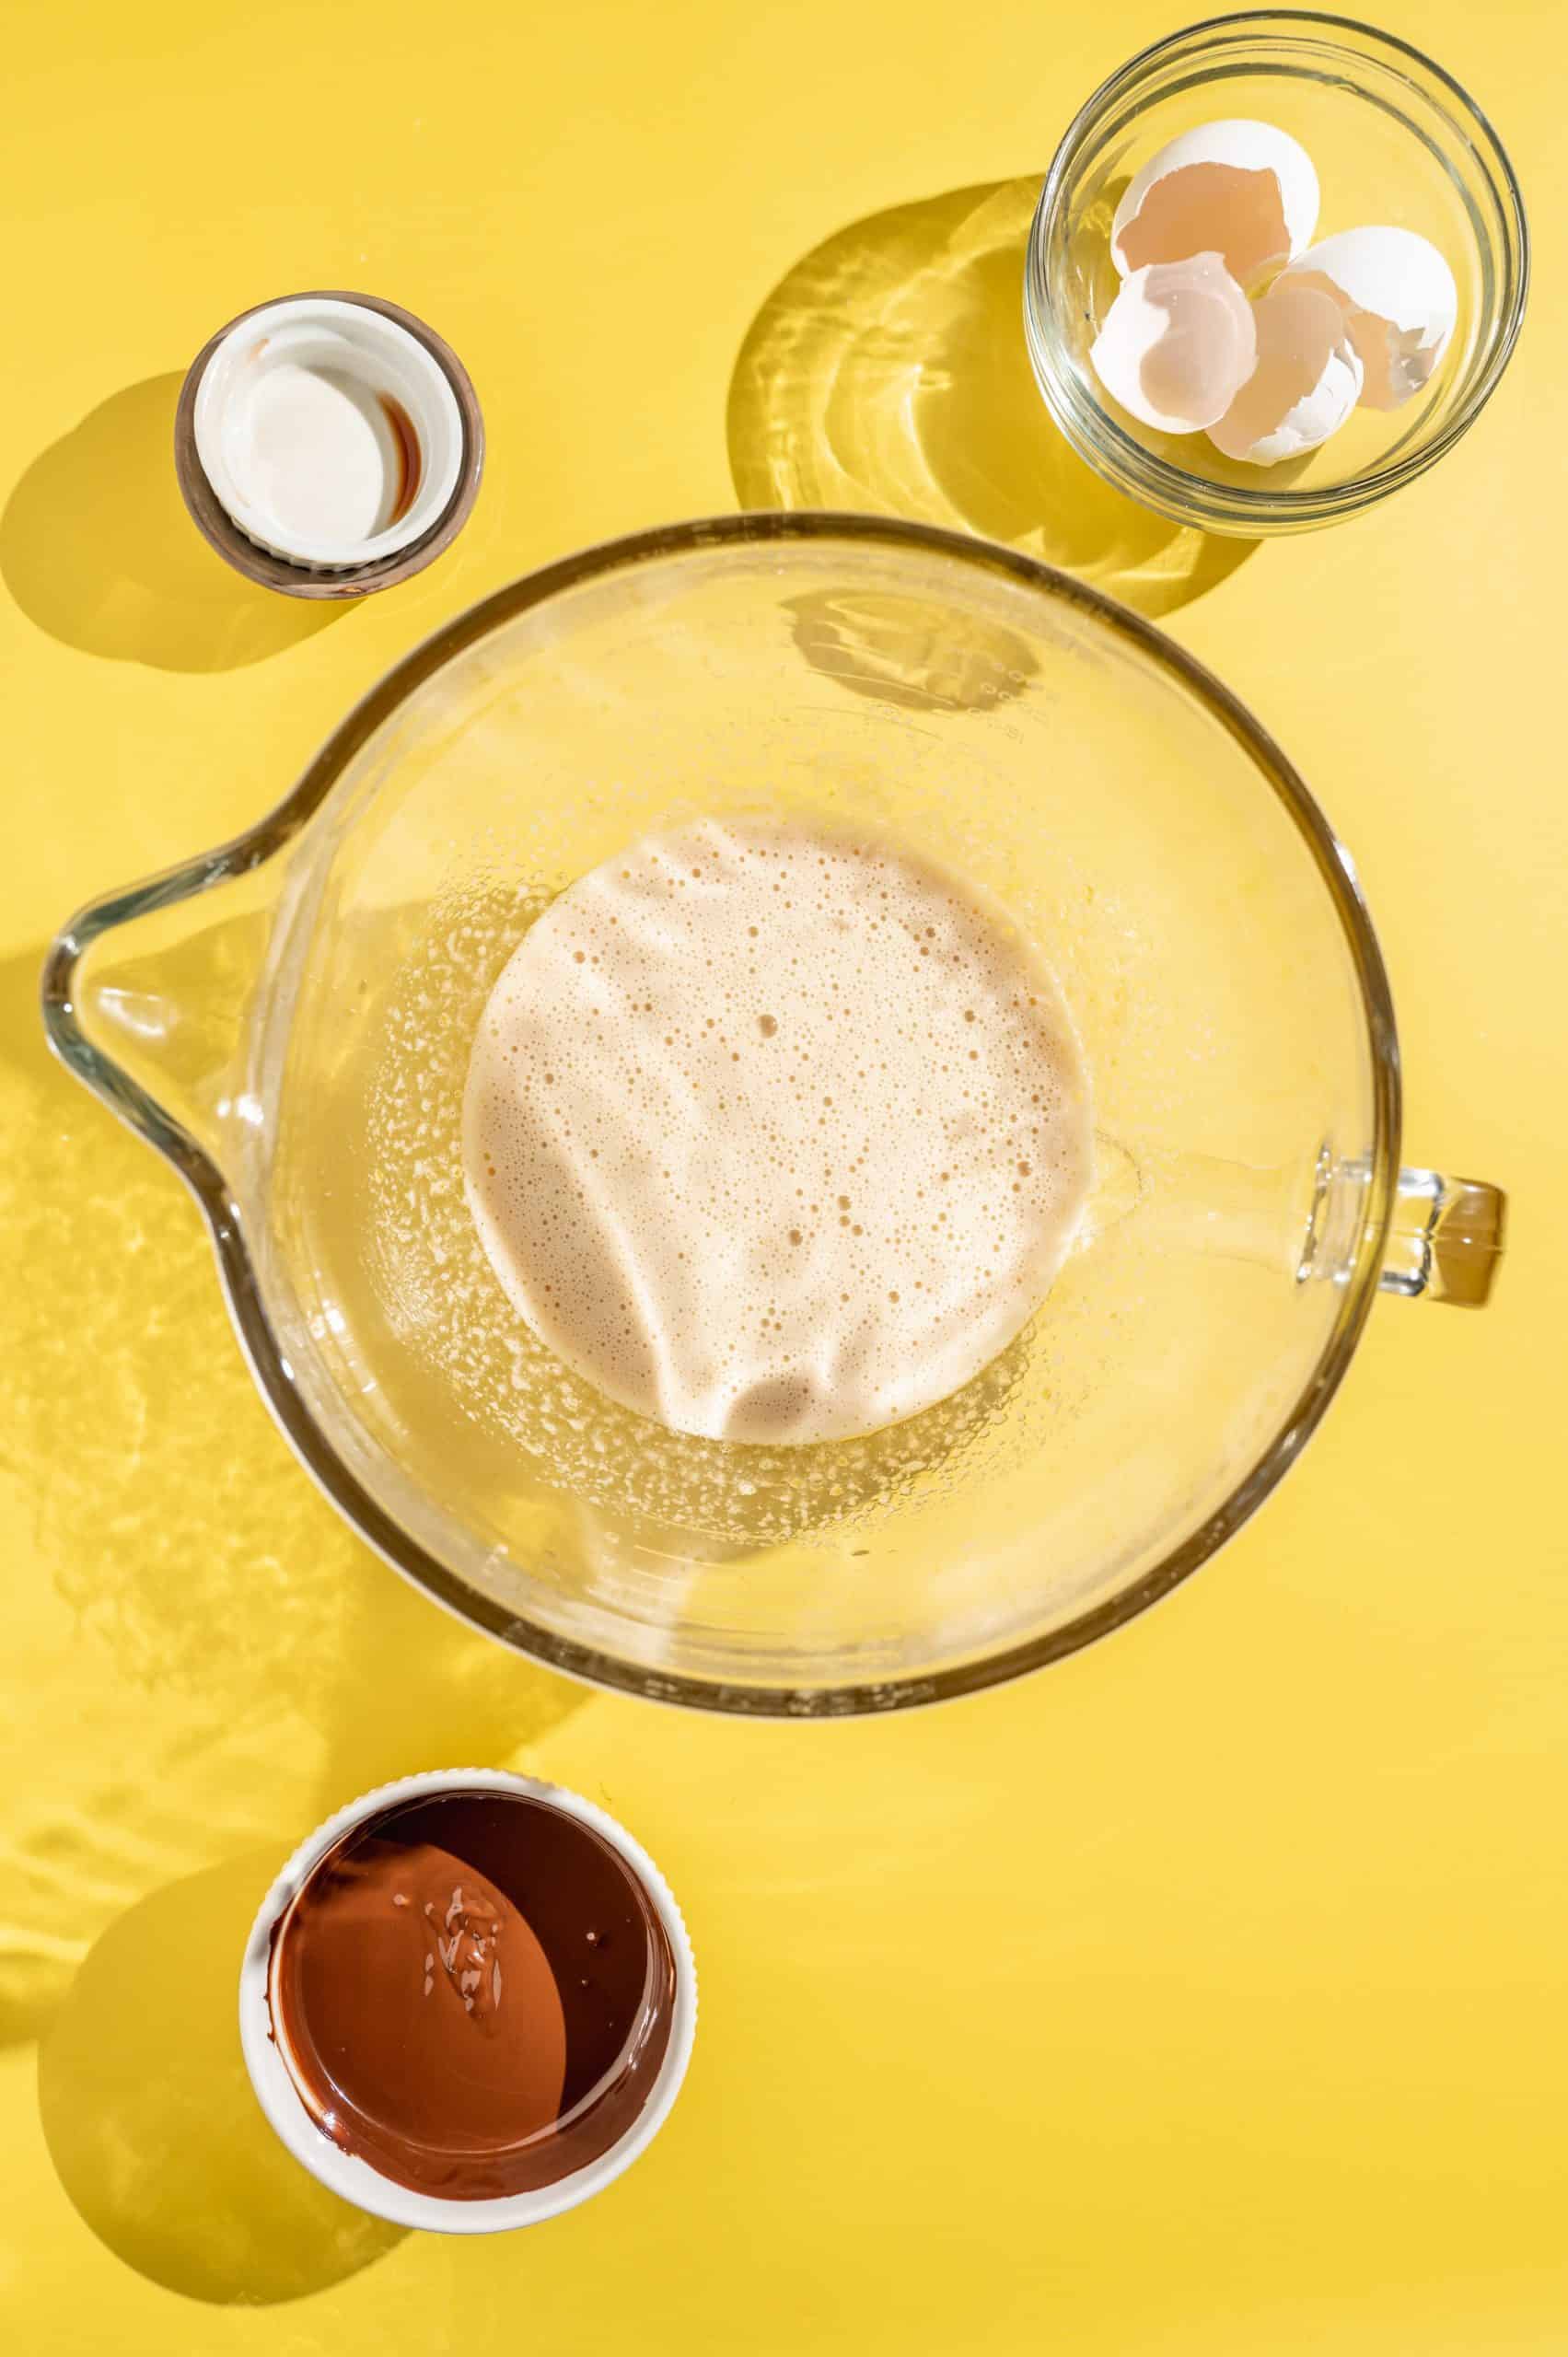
346, 2172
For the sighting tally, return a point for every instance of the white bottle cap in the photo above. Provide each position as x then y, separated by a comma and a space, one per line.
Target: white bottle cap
330, 434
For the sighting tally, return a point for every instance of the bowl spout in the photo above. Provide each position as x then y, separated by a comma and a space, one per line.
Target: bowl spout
147, 997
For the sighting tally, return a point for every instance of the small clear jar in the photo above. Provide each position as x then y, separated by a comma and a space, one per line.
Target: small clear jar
1395, 140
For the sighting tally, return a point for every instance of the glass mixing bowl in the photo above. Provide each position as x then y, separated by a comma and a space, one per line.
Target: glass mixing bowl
1394, 139
288, 1020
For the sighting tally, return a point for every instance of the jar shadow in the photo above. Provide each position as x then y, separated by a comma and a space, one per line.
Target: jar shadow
151, 2122
97, 549
888, 372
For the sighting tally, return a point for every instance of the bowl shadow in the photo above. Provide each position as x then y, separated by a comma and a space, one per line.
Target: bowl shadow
227, 1631
151, 2122
888, 372
97, 549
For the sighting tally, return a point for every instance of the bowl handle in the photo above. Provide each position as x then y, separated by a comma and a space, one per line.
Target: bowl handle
1308, 1219
1445, 1240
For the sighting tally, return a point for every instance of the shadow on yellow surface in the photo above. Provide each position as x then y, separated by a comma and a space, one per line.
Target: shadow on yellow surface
97, 549
190, 1559
888, 372
151, 2122
898, 650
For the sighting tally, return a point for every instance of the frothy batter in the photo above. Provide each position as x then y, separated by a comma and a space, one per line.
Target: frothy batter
774, 1134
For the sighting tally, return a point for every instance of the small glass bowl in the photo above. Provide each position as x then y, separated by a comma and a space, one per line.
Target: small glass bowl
1394, 139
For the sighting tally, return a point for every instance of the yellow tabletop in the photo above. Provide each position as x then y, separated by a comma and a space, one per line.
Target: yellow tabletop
1202, 1995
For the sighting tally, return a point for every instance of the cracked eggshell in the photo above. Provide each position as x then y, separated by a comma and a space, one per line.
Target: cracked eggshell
1399, 304
1242, 190
1178, 344
1304, 385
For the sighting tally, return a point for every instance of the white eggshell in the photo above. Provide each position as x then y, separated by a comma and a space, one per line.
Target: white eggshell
1178, 344
1242, 190
1399, 302
1305, 385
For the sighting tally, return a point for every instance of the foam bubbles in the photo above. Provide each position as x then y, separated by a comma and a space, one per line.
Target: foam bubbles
774, 1134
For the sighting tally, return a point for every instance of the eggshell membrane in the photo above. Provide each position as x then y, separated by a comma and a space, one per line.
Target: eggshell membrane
1239, 189
1399, 304
1305, 382
1178, 345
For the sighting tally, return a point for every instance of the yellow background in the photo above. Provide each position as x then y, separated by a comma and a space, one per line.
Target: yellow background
1203, 1995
